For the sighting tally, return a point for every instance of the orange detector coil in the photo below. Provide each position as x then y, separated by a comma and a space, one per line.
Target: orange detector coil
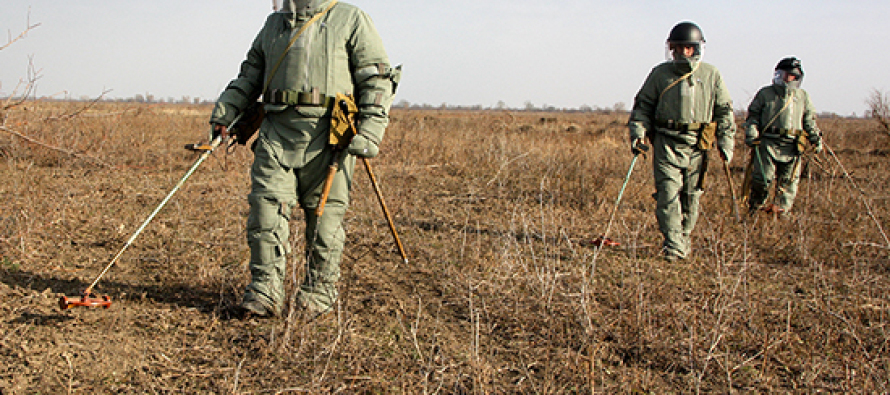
604, 242
85, 300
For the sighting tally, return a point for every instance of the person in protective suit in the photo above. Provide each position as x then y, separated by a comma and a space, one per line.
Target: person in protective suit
306, 53
683, 108
781, 122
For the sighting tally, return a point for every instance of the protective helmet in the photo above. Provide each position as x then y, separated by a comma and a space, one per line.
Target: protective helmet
687, 34
792, 66
788, 66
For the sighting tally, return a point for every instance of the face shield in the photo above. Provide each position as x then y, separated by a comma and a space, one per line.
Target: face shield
788, 79
683, 51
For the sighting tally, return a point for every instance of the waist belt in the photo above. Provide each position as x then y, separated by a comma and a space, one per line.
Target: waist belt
682, 126
297, 98
780, 132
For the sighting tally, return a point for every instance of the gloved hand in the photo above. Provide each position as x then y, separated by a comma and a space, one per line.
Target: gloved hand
637, 146
751, 136
725, 153
817, 148
363, 147
218, 130
637, 132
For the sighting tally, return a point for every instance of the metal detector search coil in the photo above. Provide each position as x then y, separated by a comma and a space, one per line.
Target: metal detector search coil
603, 241
85, 300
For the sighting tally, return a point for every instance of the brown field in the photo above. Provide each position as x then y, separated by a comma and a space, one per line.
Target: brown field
503, 293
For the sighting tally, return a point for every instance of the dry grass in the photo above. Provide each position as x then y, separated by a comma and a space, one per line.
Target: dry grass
502, 294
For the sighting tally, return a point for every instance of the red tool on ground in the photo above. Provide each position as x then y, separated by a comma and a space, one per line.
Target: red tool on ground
85, 300
603, 241
772, 209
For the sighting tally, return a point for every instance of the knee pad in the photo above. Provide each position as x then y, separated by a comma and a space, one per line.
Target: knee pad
267, 228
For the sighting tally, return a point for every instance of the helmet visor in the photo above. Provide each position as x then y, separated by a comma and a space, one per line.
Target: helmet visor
791, 79
684, 50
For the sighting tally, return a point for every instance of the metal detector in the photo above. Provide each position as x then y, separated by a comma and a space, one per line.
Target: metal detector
603, 240
87, 298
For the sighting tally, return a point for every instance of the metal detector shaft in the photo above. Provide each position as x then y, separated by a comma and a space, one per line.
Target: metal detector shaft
217, 141
329, 181
749, 172
392, 226
640, 149
333, 170
621, 192
735, 207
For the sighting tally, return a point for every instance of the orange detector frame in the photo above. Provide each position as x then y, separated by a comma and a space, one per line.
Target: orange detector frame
85, 300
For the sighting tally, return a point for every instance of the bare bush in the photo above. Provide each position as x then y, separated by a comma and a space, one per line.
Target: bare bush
18, 120
879, 109
26, 86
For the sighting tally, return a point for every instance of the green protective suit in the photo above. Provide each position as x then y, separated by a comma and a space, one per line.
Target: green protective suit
670, 110
780, 118
341, 52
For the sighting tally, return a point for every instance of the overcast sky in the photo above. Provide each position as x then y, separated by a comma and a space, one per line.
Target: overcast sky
562, 53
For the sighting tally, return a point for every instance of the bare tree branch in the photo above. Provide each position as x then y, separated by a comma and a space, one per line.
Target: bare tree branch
80, 110
26, 86
21, 35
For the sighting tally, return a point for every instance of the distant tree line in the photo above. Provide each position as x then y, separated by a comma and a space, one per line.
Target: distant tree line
619, 107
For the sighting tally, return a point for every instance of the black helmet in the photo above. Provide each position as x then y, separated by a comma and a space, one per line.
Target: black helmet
686, 33
791, 65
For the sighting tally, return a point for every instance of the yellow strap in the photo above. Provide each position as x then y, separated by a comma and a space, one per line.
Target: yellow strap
687, 75
293, 40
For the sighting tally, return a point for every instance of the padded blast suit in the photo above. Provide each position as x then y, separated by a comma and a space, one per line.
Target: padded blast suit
673, 112
781, 129
341, 52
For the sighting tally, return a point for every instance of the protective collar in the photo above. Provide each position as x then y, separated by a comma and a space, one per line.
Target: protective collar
685, 65
301, 10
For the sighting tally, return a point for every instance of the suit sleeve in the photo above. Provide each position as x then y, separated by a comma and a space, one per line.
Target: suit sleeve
642, 114
814, 135
723, 115
374, 80
752, 122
